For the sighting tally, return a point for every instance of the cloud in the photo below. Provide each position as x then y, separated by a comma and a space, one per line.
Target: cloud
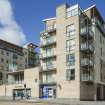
9, 29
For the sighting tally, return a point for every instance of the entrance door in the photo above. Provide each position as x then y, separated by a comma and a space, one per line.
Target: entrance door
104, 92
98, 93
48, 92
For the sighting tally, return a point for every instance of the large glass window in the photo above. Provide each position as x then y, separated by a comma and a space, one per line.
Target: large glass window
50, 39
70, 45
49, 77
49, 64
70, 59
70, 31
70, 74
49, 51
72, 12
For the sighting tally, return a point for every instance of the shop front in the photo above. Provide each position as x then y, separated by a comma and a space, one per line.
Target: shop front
22, 92
47, 91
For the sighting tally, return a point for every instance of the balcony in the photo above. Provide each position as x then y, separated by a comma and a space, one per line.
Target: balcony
87, 78
48, 42
47, 56
85, 47
49, 68
49, 29
47, 82
13, 72
84, 32
85, 62
21, 82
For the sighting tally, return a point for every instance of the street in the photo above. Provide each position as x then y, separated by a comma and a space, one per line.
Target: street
5, 102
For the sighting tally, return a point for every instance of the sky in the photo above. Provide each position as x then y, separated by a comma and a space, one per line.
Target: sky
21, 20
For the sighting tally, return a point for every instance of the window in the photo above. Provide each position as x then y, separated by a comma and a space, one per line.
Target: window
26, 66
50, 39
49, 51
7, 53
2, 60
70, 31
6, 61
2, 52
49, 27
49, 77
70, 45
70, 74
15, 56
70, 59
49, 64
72, 12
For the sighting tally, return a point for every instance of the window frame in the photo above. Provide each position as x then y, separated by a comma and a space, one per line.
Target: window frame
70, 59
70, 74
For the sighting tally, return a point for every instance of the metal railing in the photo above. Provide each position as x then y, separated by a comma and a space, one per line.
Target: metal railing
49, 67
84, 47
49, 29
48, 41
84, 32
87, 77
86, 62
44, 55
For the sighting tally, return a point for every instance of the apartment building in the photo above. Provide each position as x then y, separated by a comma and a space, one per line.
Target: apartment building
72, 48
18, 69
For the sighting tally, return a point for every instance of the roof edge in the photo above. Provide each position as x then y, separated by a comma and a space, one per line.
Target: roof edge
89, 8
44, 20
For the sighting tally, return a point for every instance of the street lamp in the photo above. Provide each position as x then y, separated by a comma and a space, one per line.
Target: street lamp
25, 91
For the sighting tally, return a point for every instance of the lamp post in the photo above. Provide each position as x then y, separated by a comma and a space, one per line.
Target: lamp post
25, 91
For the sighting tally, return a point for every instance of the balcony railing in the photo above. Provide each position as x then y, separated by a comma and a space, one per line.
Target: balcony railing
48, 29
16, 82
49, 67
87, 77
15, 71
48, 42
85, 47
84, 32
50, 55
86, 62
48, 82
51, 28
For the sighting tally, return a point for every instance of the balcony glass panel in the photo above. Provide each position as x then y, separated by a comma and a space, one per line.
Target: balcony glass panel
85, 46
86, 62
87, 77
48, 40
84, 32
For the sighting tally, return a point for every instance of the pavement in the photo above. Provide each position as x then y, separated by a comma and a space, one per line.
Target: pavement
9, 101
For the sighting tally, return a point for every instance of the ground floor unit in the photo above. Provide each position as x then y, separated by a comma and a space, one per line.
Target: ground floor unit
87, 91
30, 83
